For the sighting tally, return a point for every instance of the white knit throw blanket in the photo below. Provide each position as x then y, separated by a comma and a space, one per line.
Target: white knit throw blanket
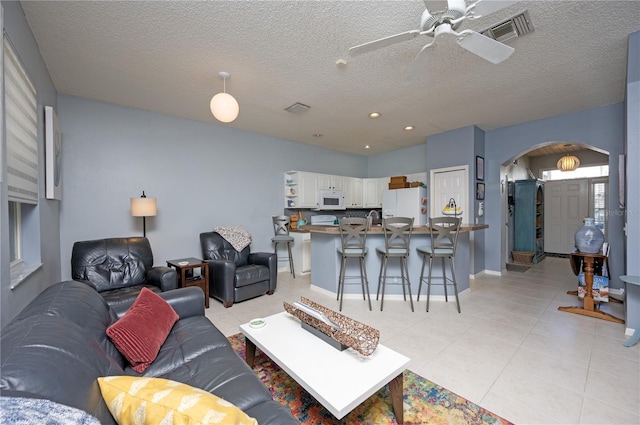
237, 236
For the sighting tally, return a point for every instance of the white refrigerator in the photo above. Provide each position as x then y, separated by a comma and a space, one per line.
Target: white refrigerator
409, 202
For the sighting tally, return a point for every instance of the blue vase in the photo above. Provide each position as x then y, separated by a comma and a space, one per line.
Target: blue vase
589, 238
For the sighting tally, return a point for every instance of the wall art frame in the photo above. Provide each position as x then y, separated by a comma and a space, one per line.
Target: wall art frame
479, 168
480, 191
53, 154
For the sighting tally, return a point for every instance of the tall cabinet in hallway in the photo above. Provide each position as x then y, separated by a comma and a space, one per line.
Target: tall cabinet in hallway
529, 218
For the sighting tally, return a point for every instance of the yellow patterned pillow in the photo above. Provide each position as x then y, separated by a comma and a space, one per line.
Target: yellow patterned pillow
156, 401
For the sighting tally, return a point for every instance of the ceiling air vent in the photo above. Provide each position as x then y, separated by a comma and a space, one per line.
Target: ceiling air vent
297, 108
513, 27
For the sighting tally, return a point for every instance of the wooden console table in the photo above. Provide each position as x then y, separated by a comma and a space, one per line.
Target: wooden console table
589, 305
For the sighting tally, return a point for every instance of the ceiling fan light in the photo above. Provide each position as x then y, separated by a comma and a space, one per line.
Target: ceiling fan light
568, 163
224, 107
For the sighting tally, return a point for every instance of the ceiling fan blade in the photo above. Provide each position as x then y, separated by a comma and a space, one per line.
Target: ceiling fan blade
419, 63
383, 42
486, 7
485, 47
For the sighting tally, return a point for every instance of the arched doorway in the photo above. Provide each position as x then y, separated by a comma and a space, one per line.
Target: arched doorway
568, 199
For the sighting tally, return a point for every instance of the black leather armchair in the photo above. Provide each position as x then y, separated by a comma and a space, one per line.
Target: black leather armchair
237, 276
118, 268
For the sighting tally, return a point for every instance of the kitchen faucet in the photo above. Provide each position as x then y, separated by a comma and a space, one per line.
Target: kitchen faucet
370, 218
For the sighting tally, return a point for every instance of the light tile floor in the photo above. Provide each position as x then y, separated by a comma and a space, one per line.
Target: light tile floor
510, 351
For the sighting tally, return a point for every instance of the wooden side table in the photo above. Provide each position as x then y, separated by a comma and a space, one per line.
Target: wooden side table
589, 305
187, 278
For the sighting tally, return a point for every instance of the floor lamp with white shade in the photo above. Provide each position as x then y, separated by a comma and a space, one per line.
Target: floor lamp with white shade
144, 207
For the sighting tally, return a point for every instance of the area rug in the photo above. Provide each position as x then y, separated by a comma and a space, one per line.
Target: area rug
424, 401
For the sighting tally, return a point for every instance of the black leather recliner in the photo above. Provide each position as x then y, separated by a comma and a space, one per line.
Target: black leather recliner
118, 268
237, 276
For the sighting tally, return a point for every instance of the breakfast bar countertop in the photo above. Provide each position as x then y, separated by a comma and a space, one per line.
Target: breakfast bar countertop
378, 228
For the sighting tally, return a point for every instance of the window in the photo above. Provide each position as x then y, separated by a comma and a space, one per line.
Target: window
579, 173
15, 252
599, 201
21, 129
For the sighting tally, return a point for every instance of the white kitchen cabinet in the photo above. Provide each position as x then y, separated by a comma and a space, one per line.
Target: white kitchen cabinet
372, 191
300, 189
330, 182
308, 190
353, 192
301, 251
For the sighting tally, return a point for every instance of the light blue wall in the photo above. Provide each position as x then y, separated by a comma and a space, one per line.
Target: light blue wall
202, 175
45, 218
632, 149
400, 162
601, 128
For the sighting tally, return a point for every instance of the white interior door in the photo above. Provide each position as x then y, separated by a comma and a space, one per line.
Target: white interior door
566, 203
447, 183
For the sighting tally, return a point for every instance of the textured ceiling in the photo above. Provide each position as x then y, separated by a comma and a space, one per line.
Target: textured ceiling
165, 57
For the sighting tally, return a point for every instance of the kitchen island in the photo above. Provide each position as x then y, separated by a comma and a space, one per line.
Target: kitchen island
325, 262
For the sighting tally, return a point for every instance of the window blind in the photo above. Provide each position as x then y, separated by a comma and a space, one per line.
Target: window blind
22, 130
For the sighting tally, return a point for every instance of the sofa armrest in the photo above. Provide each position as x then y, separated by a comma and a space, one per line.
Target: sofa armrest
166, 278
222, 275
270, 260
187, 302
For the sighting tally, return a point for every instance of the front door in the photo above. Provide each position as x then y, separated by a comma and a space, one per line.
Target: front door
566, 204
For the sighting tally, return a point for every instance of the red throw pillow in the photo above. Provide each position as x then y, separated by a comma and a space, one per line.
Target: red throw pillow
140, 333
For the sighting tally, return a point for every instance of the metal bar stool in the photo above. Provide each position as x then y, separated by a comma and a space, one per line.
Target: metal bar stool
397, 238
353, 235
444, 237
281, 224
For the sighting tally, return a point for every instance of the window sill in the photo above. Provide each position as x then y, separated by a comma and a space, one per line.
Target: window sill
19, 273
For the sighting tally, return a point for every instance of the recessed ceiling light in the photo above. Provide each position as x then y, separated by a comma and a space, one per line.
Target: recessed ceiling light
374, 115
409, 127
367, 147
317, 135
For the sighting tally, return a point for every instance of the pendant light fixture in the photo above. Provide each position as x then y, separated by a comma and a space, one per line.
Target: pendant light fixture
224, 107
568, 163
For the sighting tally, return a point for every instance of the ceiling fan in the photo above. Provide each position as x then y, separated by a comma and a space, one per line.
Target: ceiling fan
444, 23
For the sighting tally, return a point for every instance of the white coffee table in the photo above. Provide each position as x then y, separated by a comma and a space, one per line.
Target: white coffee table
339, 380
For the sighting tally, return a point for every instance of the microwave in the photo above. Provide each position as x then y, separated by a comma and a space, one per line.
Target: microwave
331, 200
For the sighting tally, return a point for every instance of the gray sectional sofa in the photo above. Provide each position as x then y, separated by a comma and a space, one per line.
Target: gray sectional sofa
57, 347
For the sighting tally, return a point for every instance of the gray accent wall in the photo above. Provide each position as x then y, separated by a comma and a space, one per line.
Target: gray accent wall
203, 175
43, 222
632, 150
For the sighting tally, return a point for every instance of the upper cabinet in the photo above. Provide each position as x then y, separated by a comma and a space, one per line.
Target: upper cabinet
330, 182
372, 194
353, 192
300, 190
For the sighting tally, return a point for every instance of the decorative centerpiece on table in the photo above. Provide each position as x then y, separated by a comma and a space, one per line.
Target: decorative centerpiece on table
346, 331
451, 209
